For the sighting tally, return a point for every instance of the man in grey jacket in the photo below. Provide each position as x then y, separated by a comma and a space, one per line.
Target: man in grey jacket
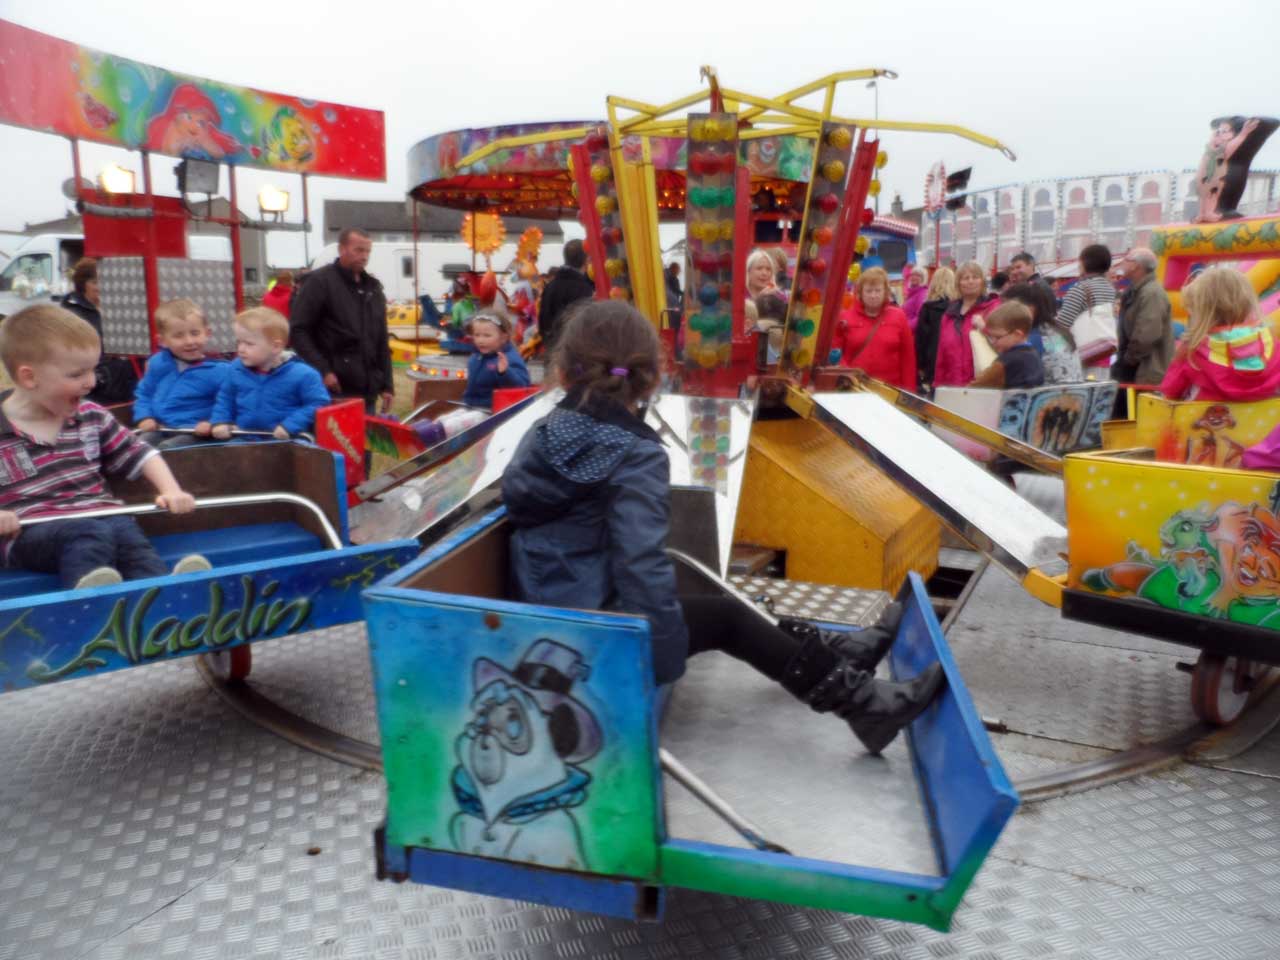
1145, 331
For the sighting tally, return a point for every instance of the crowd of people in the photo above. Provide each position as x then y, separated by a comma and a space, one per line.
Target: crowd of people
962, 328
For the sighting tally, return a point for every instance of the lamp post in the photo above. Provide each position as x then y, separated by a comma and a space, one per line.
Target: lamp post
116, 179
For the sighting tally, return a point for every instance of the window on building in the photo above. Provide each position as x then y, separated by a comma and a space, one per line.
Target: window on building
1042, 218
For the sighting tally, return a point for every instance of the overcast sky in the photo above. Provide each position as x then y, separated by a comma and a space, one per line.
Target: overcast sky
1075, 88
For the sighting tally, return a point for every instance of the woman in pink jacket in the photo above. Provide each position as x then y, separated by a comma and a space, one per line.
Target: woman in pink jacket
954, 366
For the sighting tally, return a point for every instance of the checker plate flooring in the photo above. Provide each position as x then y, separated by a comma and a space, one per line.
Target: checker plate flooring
140, 818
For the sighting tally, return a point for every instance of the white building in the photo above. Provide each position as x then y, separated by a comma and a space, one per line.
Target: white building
1054, 220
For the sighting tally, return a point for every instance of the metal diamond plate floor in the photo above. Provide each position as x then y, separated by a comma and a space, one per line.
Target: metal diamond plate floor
728, 724
141, 818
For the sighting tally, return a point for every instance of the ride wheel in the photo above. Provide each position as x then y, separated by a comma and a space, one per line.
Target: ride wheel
1220, 687
234, 664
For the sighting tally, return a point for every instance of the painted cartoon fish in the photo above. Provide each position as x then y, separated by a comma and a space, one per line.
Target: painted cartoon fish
98, 114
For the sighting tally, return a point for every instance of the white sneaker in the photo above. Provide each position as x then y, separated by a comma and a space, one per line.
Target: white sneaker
192, 563
99, 577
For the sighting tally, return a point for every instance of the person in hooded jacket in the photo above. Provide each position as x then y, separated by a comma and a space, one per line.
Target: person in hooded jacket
1226, 354
588, 493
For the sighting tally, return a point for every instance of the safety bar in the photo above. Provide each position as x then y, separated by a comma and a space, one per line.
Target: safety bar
237, 500
717, 804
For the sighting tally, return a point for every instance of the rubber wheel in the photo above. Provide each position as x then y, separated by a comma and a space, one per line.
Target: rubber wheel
1220, 687
233, 665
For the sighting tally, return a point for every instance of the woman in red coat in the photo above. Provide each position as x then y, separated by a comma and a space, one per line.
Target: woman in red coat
877, 336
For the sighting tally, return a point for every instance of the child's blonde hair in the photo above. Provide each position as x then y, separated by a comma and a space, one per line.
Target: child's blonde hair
1218, 297
36, 334
174, 311
270, 323
942, 285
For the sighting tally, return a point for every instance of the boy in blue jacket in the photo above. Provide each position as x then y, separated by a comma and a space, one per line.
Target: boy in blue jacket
180, 383
268, 387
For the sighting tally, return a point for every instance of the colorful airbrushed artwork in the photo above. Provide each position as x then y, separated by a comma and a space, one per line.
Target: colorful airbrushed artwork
51, 85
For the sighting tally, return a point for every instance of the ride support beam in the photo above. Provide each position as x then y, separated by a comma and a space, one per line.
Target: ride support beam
851, 217
236, 260
589, 216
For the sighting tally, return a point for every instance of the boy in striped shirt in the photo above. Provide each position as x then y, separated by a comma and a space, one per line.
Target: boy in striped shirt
55, 449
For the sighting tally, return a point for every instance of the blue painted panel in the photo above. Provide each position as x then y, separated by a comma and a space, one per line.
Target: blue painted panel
614, 897
515, 730
964, 786
72, 633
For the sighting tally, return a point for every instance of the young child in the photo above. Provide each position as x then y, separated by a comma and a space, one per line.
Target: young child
1017, 363
496, 363
588, 493
267, 387
1225, 354
56, 447
180, 384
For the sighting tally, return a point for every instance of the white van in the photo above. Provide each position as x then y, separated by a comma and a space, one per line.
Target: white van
40, 268
392, 263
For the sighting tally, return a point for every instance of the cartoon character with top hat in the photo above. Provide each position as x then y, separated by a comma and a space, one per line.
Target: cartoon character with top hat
518, 776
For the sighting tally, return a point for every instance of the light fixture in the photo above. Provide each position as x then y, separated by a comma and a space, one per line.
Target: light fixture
272, 199
116, 179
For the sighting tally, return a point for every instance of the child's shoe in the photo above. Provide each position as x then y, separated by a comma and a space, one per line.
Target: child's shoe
192, 563
99, 577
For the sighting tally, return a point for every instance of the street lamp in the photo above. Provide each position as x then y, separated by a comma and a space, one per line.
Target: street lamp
273, 200
116, 179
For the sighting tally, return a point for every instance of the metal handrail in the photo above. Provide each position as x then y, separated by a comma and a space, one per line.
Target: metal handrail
236, 500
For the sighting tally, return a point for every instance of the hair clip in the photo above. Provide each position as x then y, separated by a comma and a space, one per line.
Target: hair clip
619, 371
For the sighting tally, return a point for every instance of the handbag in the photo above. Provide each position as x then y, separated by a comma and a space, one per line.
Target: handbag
983, 353
1094, 330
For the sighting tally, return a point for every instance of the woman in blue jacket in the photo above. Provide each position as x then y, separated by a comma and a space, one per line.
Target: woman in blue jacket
588, 492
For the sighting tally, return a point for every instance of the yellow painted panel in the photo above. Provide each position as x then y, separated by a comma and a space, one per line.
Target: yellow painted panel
839, 518
1191, 538
1119, 434
1213, 433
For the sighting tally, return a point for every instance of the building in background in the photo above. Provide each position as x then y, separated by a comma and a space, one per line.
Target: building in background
1055, 219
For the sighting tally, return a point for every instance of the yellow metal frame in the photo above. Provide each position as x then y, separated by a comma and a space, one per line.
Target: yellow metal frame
786, 118
762, 117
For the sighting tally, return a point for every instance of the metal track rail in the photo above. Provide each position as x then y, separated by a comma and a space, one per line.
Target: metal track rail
1257, 720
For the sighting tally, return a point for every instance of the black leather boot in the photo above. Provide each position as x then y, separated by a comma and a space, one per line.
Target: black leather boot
875, 710
863, 648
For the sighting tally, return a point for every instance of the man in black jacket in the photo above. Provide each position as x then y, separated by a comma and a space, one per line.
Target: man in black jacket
569, 285
338, 324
